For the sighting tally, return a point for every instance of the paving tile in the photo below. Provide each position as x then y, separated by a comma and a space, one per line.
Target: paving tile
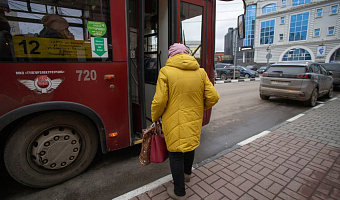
245, 186
257, 195
335, 193
206, 187
198, 190
266, 183
210, 164
295, 186
306, 191
214, 196
161, 196
228, 193
195, 197
193, 181
205, 171
275, 188
294, 194
224, 176
251, 178
264, 192
219, 183
156, 191
143, 196
212, 179
236, 190
238, 180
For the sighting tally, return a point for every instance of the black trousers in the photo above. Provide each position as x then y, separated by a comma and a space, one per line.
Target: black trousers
180, 163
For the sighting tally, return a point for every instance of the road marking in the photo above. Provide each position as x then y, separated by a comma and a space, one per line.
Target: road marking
244, 142
334, 98
296, 117
144, 188
318, 106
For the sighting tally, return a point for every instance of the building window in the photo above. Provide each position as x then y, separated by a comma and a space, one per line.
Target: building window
267, 32
281, 36
298, 27
317, 32
269, 8
282, 20
331, 30
283, 2
297, 54
300, 2
250, 25
319, 12
334, 9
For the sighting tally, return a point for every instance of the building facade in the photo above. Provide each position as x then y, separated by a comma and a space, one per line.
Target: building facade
293, 30
229, 47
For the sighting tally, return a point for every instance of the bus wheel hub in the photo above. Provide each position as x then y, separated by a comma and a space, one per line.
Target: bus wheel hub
56, 148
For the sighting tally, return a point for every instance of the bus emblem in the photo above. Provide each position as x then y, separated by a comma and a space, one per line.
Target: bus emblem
42, 84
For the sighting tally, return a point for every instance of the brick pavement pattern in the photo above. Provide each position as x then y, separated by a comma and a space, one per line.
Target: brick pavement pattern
299, 160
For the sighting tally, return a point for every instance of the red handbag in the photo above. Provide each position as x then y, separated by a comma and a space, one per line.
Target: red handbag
159, 152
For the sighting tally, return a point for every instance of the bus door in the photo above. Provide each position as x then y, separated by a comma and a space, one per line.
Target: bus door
154, 26
195, 28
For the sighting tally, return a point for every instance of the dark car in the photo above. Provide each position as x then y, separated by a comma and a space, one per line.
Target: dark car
335, 69
245, 72
252, 67
262, 69
302, 81
225, 71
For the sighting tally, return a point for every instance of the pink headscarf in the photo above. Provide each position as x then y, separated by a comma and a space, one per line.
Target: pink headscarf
177, 48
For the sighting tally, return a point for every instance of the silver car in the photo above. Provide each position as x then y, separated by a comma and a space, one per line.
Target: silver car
302, 81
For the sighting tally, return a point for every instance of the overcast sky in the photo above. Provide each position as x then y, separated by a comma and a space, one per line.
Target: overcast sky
226, 16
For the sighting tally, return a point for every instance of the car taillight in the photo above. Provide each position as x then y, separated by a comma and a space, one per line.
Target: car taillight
304, 76
265, 74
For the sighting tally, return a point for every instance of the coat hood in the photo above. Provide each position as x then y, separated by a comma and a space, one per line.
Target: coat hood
183, 61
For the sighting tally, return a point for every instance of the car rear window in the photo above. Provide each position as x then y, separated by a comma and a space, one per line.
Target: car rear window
287, 69
331, 67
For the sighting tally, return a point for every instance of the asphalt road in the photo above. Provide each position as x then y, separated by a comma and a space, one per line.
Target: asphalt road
238, 115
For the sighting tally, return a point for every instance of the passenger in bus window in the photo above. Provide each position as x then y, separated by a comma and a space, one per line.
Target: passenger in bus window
55, 26
6, 42
183, 92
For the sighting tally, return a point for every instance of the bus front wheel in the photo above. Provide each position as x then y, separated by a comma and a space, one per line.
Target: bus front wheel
50, 148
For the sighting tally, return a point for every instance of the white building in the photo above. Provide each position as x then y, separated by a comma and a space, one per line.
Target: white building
295, 30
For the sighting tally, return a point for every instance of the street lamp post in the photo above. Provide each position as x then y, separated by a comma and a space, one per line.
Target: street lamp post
235, 49
269, 55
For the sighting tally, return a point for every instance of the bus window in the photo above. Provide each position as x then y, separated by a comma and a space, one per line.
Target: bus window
191, 28
49, 30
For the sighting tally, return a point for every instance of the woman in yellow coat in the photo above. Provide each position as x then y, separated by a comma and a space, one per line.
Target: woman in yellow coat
183, 92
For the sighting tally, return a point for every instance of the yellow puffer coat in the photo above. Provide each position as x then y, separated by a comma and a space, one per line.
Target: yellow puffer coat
183, 91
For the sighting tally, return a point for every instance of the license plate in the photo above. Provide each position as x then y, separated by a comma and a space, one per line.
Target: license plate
279, 83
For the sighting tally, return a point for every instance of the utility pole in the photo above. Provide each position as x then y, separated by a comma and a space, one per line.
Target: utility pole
235, 48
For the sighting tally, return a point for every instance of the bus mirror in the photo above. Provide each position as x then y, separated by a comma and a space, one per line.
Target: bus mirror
240, 26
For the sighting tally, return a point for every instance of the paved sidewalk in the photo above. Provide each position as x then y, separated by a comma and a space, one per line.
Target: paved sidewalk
298, 160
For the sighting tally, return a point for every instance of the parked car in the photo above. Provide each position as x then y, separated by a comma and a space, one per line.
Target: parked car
335, 69
252, 67
245, 72
302, 81
225, 71
262, 69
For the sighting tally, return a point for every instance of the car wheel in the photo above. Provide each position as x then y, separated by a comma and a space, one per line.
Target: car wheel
264, 97
330, 92
50, 148
223, 77
312, 100
246, 76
